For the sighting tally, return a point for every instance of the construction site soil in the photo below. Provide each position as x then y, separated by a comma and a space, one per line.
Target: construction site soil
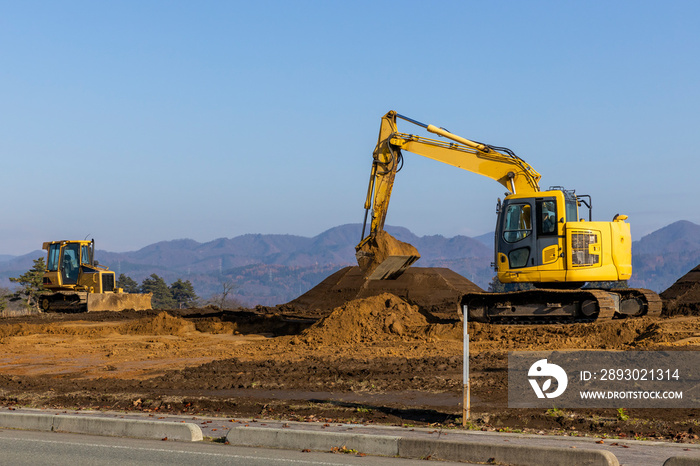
346, 351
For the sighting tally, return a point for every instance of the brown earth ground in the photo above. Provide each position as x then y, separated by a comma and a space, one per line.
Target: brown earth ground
357, 355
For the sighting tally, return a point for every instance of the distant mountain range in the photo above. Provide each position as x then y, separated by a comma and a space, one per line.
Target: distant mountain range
274, 269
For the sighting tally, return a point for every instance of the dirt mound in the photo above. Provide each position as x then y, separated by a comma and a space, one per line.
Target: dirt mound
382, 317
433, 289
683, 297
162, 324
214, 326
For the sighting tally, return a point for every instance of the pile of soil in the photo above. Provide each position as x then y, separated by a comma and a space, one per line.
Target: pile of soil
434, 290
381, 317
162, 324
683, 297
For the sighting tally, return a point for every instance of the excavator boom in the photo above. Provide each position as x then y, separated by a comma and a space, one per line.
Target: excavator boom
380, 255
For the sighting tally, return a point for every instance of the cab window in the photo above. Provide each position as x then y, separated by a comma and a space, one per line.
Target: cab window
69, 264
547, 218
518, 223
571, 210
54, 255
85, 254
518, 257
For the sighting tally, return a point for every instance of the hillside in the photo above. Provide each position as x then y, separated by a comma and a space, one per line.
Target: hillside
274, 269
662, 257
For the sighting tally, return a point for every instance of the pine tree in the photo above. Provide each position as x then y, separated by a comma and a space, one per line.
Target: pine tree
32, 282
183, 293
127, 284
162, 297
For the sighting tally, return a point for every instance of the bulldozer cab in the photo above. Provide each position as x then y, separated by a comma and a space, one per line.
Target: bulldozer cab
70, 264
66, 259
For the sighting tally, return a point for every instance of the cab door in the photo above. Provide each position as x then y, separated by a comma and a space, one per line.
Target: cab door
547, 231
516, 240
70, 263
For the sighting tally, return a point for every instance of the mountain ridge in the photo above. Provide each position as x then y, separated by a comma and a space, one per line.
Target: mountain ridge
270, 269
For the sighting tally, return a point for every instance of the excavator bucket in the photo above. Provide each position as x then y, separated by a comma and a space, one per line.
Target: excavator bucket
383, 257
118, 301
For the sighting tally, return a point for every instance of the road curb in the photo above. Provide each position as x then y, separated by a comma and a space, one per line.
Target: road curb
386, 445
682, 461
181, 431
450, 450
382, 445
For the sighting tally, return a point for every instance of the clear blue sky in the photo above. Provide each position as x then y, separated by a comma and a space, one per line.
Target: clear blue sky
139, 121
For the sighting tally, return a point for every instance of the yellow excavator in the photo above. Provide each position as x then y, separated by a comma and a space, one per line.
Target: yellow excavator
77, 283
539, 237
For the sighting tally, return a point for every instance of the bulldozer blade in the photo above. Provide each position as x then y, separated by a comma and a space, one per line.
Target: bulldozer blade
118, 301
383, 257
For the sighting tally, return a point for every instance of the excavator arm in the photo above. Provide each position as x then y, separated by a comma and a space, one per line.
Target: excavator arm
381, 256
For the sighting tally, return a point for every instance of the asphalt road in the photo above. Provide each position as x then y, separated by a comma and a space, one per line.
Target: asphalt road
58, 449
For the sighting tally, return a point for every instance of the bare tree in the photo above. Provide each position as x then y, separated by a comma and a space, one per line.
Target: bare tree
226, 288
223, 300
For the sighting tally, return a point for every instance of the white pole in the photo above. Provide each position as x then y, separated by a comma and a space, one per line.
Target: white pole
466, 402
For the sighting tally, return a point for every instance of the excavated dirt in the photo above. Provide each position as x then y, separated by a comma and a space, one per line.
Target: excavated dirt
434, 290
385, 257
380, 358
683, 297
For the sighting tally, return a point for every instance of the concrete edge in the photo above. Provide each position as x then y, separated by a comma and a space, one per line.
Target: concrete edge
133, 428
480, 452
26, 421
289, 439
682, 461
385, 445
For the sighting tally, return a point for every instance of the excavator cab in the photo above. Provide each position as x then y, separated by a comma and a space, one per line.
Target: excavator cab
540, 240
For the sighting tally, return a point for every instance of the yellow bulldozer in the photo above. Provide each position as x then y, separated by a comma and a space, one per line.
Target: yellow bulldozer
77, 283
539, 237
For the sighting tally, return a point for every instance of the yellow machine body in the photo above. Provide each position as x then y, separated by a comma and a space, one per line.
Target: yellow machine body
79, 283
539, 239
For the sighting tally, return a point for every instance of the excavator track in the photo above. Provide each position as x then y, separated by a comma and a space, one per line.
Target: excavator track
560, 306
644, 302
608, 304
